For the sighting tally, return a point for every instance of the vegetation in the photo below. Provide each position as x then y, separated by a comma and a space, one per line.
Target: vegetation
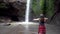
38, 6
3, 5
45, 6
49, 7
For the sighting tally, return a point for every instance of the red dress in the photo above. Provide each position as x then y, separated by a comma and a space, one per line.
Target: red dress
42, 29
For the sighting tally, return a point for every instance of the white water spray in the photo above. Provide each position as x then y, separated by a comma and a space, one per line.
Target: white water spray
27, 17
27, 11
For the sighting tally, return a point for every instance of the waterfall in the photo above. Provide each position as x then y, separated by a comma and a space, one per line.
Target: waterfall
27, 17
27, 11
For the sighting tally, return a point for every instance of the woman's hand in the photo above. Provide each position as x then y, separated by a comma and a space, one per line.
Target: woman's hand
45, 19
36, 19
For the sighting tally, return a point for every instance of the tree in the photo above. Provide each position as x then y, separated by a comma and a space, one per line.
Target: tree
38, 6
43, 6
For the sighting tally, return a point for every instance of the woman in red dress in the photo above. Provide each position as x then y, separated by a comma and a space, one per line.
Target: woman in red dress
42, 28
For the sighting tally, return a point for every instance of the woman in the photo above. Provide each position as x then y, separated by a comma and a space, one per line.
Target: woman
42, 20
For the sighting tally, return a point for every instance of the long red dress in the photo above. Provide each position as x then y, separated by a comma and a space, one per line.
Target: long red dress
42, 29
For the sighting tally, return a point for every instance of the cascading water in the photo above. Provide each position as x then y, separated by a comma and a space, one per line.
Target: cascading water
27, 11
27, 17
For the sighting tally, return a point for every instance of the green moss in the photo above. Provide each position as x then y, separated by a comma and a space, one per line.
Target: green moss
3, 5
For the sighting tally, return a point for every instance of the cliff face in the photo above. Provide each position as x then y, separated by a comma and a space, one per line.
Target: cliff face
14, 11
14, 0
55, 19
